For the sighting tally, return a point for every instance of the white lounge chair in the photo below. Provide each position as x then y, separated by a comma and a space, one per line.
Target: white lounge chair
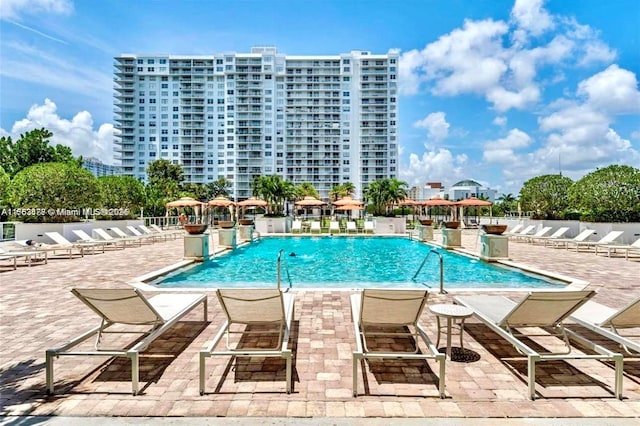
296, 226
164, 235
513, 231
175, 232
107, 237
129, 309
121, 234
609, 322
540, 233
544, 309
144, 237
564, 242
84, 237
261, 312
607, 239
386, 314
633, 248
524, 233
334, 226
351, 227
545, 238
368, 227
62, 244
29, 256
315, 227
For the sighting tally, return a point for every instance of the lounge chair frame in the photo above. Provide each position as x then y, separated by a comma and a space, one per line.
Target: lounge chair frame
96, 299
283, 322
519, 315
393, 299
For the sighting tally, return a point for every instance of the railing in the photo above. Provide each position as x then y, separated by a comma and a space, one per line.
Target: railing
424, 261
279, 270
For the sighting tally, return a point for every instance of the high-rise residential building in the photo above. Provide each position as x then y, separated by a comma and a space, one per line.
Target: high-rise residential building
98, 168
326, 120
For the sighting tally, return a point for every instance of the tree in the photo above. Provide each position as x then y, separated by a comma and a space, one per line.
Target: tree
340, 191
163, 171
275, 191
58, 192
611, 194
195, 190
164, 184
4, 186
122, 192
220, 187
306, 189
384, 192
33, 148
546, 196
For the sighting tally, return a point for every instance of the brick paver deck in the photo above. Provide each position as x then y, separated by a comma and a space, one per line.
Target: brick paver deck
39, 312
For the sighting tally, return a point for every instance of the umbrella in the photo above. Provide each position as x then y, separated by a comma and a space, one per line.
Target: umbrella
184, 202
474, 202
347, 201
349, 207
310, 202
252, 202
222, 201
437, 202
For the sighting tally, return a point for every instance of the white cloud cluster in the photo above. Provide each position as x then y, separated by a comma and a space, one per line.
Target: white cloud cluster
477, 59
16, 9
77, 133
436, 125
502, 150
436, 166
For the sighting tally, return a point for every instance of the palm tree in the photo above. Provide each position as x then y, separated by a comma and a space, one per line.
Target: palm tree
275, 191
341, 191
306, 189
384, 192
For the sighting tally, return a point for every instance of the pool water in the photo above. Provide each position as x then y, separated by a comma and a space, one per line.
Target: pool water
347, 262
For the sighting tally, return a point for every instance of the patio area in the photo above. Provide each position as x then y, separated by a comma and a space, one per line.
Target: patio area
38, 311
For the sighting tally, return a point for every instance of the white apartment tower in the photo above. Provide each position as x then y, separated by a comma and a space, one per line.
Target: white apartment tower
326, 120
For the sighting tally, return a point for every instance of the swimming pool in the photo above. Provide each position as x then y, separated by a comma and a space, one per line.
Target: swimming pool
347, 262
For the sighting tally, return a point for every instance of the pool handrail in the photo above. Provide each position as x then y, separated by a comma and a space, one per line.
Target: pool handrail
442, 290
279, 272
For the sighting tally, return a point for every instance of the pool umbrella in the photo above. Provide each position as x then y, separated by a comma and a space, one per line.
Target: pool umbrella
185, 202
252, 202
350, 207
408, 202
222, 201
437, 202
475, 202
309, 202
347, 201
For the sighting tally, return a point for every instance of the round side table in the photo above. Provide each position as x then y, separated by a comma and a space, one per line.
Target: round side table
452, 313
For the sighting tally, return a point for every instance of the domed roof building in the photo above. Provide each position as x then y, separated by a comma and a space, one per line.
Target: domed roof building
468, 188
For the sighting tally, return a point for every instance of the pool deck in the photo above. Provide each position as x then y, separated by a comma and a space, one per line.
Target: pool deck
37, 311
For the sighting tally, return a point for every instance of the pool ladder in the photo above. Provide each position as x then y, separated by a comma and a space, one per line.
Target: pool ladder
424, 261
279, 269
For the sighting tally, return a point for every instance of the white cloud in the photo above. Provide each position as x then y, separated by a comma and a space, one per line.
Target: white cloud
500, 120
16, 9
614, 90
530, 17
502, 150
77, 133
436, 125
434, 166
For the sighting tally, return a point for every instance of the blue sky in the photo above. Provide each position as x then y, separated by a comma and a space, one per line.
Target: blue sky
494, 90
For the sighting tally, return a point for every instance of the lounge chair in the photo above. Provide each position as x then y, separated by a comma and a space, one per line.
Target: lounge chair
539, 309
144, 237
334, 226
315, 227
121, 234
62, 244
175, 232
607, 239
165, 235
564, 242
545, 238
368, 227
129, 309
84, 237
381, 313
540, 233
296, 227
609, 322
351, 227
525, 232
257, 312
107, 237
633, 248
513, 231
29, 256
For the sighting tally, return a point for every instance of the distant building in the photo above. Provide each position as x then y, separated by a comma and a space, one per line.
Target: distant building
429, 190
98, 168
322, 119
470, 188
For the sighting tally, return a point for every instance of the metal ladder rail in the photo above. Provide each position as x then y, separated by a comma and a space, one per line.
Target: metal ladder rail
424, 261
279, 270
